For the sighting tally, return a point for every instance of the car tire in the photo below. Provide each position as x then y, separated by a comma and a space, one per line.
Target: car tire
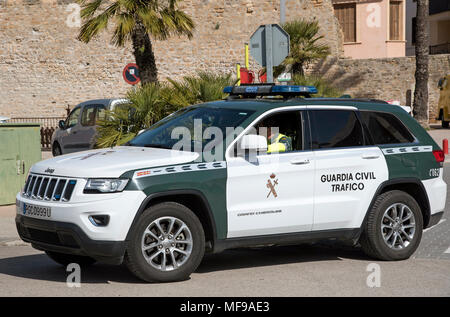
66, 259
153, 252
56, 149
445, 124
395, 240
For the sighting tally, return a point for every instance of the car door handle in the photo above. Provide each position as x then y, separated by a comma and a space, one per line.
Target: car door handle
300, 161
370, 156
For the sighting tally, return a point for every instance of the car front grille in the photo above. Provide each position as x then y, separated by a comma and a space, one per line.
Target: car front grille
49, 188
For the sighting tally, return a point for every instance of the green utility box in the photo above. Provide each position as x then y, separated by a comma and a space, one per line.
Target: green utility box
20, 147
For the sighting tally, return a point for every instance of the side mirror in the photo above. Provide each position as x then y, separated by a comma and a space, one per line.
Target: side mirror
254, 142
61, 124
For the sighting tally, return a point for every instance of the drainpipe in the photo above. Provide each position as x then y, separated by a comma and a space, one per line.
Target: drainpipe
282, 11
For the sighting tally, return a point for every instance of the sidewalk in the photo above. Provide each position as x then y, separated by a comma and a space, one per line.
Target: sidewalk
8, 232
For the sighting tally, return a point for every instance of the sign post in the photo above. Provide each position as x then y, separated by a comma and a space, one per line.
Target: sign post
269, 46
131, 74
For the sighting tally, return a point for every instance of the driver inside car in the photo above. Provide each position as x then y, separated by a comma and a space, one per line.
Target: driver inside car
276, 141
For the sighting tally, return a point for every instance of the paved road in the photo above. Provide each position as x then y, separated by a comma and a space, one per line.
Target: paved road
316, 270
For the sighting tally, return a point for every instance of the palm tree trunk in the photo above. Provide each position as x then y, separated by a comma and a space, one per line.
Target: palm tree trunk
297, 69
420, 105
143, 53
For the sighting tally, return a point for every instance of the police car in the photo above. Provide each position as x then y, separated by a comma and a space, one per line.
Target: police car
359, 171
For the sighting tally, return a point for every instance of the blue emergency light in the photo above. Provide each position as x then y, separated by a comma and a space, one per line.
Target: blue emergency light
270, 90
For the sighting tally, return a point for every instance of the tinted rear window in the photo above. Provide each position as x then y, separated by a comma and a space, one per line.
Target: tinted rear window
336, 128
385, 128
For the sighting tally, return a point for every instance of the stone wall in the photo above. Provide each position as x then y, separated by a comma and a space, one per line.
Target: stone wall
384, 78
44, 68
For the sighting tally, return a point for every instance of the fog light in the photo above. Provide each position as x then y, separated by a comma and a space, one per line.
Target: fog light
99, 220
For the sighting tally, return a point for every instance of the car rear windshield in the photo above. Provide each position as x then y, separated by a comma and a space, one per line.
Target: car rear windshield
385, 128
191, 124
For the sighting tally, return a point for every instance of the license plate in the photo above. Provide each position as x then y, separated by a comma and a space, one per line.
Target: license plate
36, 211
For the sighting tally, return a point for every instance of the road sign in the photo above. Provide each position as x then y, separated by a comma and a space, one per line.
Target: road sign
131, 74
285, 77
269, 46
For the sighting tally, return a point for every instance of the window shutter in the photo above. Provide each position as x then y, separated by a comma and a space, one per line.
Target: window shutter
346, 15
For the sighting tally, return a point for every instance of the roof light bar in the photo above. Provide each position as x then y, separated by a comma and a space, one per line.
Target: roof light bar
270, 90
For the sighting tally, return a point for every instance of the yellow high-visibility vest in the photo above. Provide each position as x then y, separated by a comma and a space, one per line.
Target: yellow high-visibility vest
277, 146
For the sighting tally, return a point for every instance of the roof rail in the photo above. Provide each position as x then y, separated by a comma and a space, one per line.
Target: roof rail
260, 90
350, 99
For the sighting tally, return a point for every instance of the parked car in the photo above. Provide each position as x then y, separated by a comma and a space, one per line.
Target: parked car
443, 111
360, 171
78, 131
3, 119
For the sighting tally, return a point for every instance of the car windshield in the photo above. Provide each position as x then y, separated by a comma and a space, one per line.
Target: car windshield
192, 129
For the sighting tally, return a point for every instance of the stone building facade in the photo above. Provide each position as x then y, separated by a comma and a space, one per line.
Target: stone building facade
45, 68
385, 78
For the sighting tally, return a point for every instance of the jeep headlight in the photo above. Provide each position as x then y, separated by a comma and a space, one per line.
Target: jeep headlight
97, 185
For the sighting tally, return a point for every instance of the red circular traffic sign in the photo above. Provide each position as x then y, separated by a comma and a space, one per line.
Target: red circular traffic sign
131, 74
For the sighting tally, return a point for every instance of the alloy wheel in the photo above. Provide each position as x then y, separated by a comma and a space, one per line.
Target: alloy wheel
398, 226
167, 243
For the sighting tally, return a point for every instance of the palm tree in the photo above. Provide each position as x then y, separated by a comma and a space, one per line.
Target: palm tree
147, 105
304, 46
201, 87
136, 21
420, 104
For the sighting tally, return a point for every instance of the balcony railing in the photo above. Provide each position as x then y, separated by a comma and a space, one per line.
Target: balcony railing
440, 49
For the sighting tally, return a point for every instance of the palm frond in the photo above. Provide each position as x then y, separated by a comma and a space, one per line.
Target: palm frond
305, 44
89, 9
124, 27
92, 27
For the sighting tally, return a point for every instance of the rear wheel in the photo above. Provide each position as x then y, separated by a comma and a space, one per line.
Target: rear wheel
66, 259
167, 244
393, 229
445, 124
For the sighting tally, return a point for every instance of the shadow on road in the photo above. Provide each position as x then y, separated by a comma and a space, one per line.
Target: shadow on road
277, 255
40, 267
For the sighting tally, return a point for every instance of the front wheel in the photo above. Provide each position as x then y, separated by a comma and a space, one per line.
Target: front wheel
167, 244
393, 229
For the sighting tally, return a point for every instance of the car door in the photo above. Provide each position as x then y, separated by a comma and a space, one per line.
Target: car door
69, 138
348, 169
87, 129
272, 193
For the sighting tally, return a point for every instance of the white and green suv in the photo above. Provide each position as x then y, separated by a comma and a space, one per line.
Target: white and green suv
360, 171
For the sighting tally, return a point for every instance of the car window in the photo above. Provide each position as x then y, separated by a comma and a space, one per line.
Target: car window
335, 129
72, 120
88, 116
385, 128
283, 132
101, 113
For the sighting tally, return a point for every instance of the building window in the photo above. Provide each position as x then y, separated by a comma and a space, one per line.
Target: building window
395, 20
346, 15
413, 33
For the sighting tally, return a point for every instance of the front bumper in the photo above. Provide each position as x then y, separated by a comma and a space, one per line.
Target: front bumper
63, 237
68, 229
